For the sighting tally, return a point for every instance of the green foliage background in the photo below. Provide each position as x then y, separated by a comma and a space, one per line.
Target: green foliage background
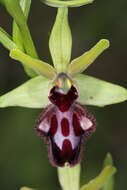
23, 155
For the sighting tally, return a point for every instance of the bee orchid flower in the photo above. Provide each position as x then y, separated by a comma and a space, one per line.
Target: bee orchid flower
65, 124
62, 91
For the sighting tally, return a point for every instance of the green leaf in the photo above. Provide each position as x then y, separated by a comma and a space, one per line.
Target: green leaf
17, 37
109, 185
72, 3
14, 9
93, 91
32, 94
39, 66
6, 40
60, 42
69, 178
100, 180
79, 64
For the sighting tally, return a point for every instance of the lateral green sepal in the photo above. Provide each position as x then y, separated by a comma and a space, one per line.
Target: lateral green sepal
96, 92
31, 94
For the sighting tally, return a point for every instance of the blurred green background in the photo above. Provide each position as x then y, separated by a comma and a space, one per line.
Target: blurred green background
23, 155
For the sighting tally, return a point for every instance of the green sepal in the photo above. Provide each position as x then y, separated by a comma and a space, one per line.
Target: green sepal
60, 42
92, 91
100, 180
69, 178
37, 65
109, 185
79, 64
96, 92
31, 94
72, 3
6, 40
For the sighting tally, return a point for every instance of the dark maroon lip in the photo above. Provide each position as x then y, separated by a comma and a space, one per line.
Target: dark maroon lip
65, 125
61, 100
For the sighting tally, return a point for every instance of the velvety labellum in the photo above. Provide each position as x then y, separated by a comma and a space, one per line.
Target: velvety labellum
65, 125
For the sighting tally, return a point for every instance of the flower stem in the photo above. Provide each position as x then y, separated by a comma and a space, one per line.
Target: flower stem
69, 178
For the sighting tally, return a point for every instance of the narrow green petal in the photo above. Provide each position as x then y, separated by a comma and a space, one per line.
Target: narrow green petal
109, 185
39, 66
32, 94
72, 3
69, 178
6, 40
93, 91
60, 42
79, 64
99, 181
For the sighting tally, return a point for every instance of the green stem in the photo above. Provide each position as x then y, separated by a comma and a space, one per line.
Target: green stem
69, 178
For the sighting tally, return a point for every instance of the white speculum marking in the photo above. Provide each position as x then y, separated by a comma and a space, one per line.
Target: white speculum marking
44, 126
86, 123
58, 137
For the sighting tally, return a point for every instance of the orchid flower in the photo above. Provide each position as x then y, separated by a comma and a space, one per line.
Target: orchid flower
61, 90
